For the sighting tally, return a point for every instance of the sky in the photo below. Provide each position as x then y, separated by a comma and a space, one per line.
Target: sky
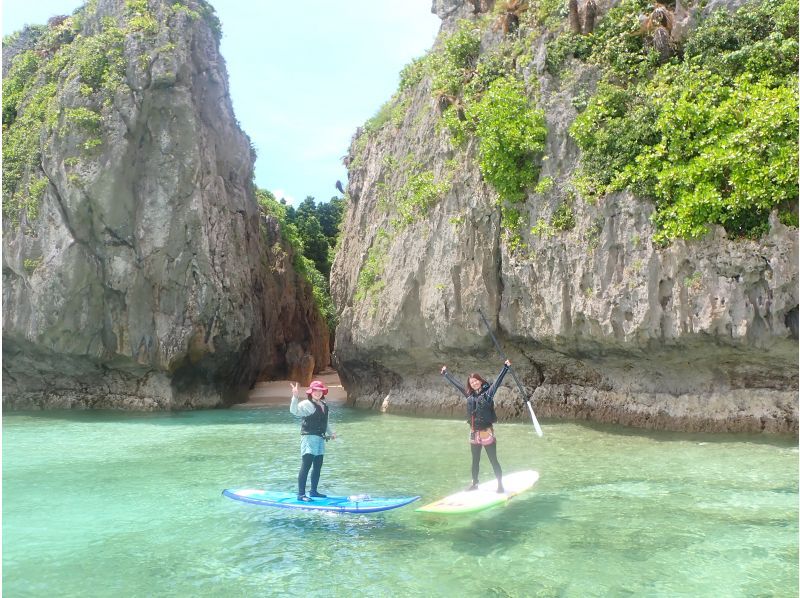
302, 77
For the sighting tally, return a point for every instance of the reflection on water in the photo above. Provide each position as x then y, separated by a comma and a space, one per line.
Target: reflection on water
98, 504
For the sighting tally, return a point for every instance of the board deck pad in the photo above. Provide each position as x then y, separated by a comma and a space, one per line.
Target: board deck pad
485, 497
359, 503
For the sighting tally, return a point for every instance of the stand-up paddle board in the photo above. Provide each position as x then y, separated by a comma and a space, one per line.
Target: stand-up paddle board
360, 503
485, 497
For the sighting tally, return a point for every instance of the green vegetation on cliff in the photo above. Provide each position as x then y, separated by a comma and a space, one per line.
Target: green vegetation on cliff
50, 64
711, 134
311, 230
55, 58
483, 97
510, 137
707, 128
371, 277
409, 190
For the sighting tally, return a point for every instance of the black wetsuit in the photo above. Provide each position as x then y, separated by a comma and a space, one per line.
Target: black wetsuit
481, 416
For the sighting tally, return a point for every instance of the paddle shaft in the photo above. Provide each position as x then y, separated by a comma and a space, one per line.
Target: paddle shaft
513, 375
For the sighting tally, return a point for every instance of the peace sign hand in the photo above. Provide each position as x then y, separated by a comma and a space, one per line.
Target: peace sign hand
295, 388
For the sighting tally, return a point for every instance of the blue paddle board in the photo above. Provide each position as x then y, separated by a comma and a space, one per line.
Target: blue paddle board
360, 503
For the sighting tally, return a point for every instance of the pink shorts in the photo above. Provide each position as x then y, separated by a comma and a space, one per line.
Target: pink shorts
482, 437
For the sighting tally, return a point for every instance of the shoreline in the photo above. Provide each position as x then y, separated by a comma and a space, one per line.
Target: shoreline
274, 393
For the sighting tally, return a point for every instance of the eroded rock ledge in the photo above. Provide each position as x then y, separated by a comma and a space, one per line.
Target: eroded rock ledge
600, 323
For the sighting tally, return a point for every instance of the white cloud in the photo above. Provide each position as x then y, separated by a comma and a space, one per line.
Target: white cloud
281, 194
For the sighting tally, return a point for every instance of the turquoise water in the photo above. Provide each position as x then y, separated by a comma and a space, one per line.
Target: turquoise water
114, 504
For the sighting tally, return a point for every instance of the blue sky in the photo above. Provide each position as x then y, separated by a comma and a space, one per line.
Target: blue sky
302, 79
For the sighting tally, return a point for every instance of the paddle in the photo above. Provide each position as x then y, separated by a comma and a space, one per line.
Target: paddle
513, 375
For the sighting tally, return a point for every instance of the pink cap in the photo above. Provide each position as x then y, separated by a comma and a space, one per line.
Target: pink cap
317, 385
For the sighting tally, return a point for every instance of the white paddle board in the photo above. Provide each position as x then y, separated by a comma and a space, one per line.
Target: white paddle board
485, 497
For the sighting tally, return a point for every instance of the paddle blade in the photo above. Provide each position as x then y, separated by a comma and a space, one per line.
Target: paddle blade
535, 421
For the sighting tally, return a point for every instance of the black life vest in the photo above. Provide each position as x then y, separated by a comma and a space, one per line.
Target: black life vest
317, 423
480, 408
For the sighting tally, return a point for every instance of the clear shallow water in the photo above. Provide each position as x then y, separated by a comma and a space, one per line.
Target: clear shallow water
102, 504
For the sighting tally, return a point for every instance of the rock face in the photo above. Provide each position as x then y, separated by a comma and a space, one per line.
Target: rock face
149, 278
599, 323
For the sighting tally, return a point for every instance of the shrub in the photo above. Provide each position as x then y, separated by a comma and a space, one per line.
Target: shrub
413, 72
550, 13
510, 135
513, 223
140, 19
22, 152
370, 278
616, 125
23, 68
383, 116
84, 117
450, 66
564, 47
99, 59
759, 38
728, 156
492, 66
30, 265
418, 194
617, 45
563, 218
712, 138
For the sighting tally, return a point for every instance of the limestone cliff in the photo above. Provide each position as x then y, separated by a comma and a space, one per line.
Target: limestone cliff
138, 270
600, 322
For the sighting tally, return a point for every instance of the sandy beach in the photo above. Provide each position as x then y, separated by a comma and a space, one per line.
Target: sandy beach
279, 392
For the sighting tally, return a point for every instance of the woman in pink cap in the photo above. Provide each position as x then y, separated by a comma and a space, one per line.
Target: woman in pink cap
314, 430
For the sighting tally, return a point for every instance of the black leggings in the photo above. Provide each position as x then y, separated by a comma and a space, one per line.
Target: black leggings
308, 461
491, 452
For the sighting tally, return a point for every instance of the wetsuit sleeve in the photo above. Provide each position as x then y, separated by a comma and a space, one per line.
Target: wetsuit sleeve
497, 382
452, 380
300, 408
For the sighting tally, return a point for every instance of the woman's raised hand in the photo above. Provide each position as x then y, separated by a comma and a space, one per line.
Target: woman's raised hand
508, 363
444, 369
295, 388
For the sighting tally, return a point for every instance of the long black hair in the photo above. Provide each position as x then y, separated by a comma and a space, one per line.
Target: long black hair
469, 390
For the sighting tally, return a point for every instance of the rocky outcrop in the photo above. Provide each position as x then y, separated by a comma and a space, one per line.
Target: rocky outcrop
600, 323
147, 277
